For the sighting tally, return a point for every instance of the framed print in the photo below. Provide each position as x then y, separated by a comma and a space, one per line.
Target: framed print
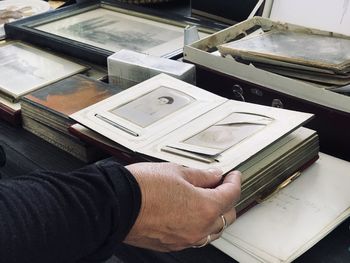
11, 10
24, 68
96, 30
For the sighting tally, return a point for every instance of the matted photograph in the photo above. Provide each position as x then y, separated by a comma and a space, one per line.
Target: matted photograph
224, 134
24, 68
153, 106
113, 31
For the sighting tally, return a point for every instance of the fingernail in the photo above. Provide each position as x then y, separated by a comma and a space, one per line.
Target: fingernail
215, 171
237, 172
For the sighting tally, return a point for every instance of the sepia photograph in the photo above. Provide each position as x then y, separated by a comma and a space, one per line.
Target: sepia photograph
25, 68
11, 10
111, 30
228, 132
303, 48
153, 106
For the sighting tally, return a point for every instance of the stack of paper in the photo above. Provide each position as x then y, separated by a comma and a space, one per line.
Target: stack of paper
293, 220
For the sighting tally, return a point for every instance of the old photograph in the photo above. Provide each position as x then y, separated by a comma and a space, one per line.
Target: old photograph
24, 68
17, 9
113, 31
153, 106
229, 131
303, 48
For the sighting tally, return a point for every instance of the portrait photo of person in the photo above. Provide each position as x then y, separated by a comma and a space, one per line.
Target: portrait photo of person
228, 132
153, 106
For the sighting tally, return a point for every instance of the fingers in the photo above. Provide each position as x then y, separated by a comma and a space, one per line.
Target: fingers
203, 242
228, 193
198, 177
225, 195
201, 196
219, 226
203, 178
222, 223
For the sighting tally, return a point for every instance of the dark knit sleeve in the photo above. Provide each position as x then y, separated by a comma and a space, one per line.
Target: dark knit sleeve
67, 217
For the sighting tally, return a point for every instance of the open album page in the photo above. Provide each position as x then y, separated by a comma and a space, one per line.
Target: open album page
226, 136
148, 111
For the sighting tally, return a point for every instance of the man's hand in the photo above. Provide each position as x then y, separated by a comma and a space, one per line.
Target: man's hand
181, 206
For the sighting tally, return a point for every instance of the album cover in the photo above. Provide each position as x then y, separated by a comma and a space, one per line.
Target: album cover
53, 104
45, 112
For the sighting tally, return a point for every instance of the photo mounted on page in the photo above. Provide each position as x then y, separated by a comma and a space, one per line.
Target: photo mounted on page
224, 134
153, 106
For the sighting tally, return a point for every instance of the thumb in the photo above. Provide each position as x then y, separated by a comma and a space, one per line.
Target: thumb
203, 178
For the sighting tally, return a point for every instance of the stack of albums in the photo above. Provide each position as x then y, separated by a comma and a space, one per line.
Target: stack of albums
45, 112
25, 68
166, 119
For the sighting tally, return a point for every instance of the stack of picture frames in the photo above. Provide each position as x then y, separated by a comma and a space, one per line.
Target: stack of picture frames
93, 31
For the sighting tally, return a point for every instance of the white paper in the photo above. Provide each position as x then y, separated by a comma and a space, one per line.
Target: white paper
329, 15
290, 222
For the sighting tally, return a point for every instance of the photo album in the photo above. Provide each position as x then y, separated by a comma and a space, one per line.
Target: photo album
166, 119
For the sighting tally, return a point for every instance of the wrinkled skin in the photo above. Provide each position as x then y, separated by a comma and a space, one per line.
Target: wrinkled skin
181, 206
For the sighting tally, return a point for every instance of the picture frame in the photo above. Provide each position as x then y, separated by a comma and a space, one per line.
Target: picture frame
274, 46
25, 68
95, 30
17, 9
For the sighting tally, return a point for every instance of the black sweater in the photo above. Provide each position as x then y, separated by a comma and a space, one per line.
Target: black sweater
67, 217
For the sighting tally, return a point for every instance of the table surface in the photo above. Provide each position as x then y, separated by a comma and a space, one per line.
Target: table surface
27, 152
